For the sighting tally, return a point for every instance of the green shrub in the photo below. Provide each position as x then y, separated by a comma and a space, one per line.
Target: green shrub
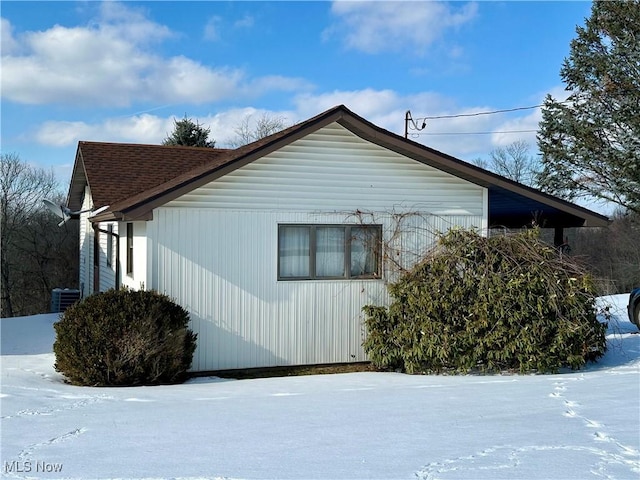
504, 303
124, 337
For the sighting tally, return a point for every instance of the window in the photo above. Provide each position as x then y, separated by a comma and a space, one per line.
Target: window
96, 247
308, 252
130, 249
109, 244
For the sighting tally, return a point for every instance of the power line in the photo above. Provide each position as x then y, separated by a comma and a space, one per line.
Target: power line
476, 114
491, 112
418, 124
472, 133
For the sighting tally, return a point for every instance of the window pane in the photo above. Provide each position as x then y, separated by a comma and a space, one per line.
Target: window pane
365, 243
130, 248
330, 251
294, 251
109, 244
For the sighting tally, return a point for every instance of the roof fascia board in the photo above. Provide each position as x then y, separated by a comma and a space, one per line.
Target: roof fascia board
78, 179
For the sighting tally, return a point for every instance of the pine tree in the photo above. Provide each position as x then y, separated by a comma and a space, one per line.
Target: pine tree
590, 143
190, 134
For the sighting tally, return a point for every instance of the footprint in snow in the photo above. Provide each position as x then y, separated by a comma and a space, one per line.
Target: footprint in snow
601, 437
592, 423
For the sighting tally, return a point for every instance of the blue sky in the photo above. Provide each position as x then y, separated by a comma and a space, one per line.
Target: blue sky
122, 71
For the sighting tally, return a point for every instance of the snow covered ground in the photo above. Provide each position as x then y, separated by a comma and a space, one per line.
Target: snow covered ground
575, 425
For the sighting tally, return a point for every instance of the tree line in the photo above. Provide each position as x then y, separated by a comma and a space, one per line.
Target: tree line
37, 255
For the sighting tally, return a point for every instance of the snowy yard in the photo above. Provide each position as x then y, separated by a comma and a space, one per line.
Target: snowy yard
575, 425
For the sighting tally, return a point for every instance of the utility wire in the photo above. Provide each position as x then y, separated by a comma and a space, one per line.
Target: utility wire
492, 112
418, 129
472, 133
476, 114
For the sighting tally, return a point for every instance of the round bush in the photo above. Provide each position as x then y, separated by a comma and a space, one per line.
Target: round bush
124, 337
503, 303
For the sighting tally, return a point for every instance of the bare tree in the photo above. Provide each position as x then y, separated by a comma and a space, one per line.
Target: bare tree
611, 252
36, 254
249, 130
513, 162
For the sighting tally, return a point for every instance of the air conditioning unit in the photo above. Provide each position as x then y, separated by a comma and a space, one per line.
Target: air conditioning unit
63, 298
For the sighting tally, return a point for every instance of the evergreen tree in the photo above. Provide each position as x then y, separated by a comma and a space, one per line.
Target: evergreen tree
190, 134
590, 143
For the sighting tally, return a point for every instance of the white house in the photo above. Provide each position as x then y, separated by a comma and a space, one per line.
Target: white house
275, 247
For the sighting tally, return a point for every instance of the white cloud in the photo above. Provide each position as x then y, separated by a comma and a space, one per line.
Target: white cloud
525, 126
109, 63
136, 129
521, 128
374, 27
212, 29
9, 44
245, 22
150, 129
130, 24
269, 83
385, 108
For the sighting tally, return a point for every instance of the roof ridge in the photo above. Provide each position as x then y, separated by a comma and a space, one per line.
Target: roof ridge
131, 144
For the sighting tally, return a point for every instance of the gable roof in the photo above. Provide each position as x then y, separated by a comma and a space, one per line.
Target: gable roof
135, 179
117, 171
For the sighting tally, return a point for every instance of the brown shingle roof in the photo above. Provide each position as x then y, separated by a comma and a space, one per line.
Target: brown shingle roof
117, 171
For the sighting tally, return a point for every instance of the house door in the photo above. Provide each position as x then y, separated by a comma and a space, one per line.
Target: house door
96, 260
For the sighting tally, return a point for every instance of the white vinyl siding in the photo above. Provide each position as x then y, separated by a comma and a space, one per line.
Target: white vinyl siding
215, 249
87, 260
334, 170
138, 278
243, 315
107, 272
86, 247
222, 267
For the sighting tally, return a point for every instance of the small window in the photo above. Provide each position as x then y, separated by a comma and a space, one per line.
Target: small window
109, 244
310, 252
96, 247
130, 249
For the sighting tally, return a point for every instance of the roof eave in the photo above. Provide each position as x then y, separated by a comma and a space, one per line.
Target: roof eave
78, 182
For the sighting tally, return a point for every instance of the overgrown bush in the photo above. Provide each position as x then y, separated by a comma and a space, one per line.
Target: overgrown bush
124, 337
503, 303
